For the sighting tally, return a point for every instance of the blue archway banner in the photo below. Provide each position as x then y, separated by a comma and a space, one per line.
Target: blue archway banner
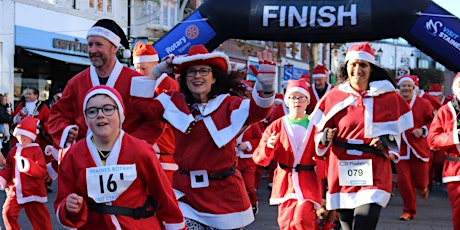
423, 23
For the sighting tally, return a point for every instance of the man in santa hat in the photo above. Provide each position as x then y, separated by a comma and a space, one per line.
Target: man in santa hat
320, 86
104, 40
435, 90
145, 58
444, 135
421, 93
414, 155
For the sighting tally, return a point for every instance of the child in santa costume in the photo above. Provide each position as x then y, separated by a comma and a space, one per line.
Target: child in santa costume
355, 124
110, 179
145, 58
207, 120
23, 179
414, 155
296, 188
444, 136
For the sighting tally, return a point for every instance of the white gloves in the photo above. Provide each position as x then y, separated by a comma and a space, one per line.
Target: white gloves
165, 66
265, 75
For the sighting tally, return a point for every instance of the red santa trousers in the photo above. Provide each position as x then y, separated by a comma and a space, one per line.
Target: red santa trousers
453, 191
295, 216
36, 212
412, 175
248, 168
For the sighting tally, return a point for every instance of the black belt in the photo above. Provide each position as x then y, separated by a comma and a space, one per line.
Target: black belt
360, 147
214, 176
136, 213
456, 159
298, 167
163, 153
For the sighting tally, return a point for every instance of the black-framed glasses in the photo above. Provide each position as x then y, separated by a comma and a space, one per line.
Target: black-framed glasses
203, 72
106, 109
301, 98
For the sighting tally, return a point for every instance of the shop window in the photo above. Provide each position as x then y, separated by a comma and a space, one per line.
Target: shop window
158, 13
104, 6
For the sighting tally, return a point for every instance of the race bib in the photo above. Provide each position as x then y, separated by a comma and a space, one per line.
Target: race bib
355, 172
106, 183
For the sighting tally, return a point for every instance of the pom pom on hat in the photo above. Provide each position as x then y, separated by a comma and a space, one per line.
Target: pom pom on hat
27, 127
279, 97
249, 85
144, 53
296, 86
407, 77
110, 92
199, 55
435, 89
306, 77
362, 51
320, 71
111, 31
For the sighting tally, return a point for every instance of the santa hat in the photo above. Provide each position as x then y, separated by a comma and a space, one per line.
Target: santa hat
248, 84
435, 89
296, 86
110, 92
455, 83
199, 55
144, 53
27, 127
320, 71
407, 77
279, 97
362, 51
306, 77
111, 31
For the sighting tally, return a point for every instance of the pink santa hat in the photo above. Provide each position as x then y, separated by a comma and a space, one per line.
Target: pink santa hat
455, 83
27, 127
110, 92
362, 51
144, 53
296, 86
320, 71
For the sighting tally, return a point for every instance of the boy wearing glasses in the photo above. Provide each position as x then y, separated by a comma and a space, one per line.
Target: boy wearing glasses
296, 187
112, 179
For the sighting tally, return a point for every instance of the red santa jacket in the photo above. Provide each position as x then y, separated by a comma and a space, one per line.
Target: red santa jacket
314, 97
444, 135
287, 182
28, 163
150, 180
432, 99
67, 112
251, 137
422, 112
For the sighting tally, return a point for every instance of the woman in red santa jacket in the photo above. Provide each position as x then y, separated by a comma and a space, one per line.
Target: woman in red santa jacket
207, 120
110, 179
23, 178
355, 123
414, 155
445, 135
296, 188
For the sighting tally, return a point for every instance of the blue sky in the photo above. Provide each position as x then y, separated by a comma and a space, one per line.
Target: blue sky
449, 5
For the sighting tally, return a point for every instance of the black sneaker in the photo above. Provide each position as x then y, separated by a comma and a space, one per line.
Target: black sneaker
255, 208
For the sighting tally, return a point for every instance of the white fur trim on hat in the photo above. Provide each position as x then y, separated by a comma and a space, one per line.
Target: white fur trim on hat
361, 55
24, 132
111, 95
319, 75
197, 57
105, 33
295, 89
405, 79
145, 58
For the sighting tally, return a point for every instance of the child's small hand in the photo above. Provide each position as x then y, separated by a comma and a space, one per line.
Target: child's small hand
271, 141
73, 203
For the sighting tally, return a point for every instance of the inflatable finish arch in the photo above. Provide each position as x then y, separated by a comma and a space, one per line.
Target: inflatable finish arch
422, 23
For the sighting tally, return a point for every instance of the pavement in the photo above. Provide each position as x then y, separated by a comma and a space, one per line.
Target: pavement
433, 213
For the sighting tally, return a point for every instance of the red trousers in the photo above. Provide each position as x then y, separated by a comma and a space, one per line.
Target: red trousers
36, 212
412, 175
453, 191
248, 169
295, 216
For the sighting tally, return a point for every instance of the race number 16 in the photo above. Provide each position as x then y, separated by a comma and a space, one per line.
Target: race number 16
108, 183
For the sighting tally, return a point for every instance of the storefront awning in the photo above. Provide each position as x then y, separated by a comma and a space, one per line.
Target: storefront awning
63, 57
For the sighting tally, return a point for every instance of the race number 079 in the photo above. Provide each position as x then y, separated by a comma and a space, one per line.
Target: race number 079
355, 172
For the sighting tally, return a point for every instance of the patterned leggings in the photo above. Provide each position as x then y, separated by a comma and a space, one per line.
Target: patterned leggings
195, 225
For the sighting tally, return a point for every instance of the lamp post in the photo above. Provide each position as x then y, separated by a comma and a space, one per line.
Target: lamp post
379, 56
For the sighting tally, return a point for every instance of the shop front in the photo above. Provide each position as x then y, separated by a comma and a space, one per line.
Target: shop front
45, 59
